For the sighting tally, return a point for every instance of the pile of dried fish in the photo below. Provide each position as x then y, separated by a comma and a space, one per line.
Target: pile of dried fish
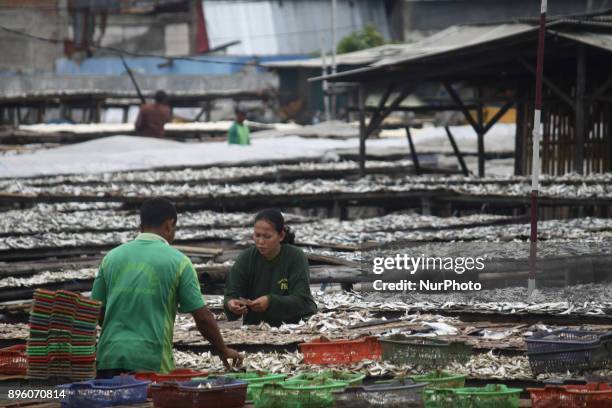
589, 299
211, 174
358, 232
48, 277
370, 184
15, 331
322, 233
219, 174
481, 366
44, 218
511, 250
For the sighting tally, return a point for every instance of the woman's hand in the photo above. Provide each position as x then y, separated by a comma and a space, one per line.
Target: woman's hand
260, 304
237, 307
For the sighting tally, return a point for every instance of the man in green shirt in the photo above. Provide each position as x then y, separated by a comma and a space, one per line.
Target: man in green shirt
141, 285
239, 133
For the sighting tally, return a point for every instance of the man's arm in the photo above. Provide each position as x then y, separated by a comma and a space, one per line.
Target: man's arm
207, 326
191, 301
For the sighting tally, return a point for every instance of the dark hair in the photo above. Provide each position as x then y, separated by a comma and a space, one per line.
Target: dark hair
161, 97
275, 217
155, 211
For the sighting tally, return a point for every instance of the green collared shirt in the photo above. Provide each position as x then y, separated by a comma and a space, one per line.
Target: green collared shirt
239, 133
141, 285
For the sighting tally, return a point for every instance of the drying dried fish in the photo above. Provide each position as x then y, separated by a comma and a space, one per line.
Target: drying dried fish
17, 331
211, 174
480, 366
43, 218
219, 174
578, 299
198, 226
369, 184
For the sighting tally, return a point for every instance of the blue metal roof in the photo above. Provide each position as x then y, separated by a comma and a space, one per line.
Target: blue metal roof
206, 65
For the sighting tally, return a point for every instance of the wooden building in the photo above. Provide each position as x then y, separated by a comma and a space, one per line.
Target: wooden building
498, 63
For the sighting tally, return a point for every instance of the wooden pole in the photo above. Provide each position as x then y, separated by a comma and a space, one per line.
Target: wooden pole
131, 75
481, 147
464, 168
535, 163
580, 111
363, 135
413, 153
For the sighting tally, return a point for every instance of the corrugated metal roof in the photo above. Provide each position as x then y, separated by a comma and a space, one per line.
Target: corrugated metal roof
595, 39
453, 38
458, 39
357, 58
268, 27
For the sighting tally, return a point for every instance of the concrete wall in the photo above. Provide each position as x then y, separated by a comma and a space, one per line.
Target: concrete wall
40, 19
160, 34
155, 34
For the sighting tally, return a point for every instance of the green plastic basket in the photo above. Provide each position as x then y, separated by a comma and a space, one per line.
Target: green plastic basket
298, 394
352, 379
440, 379
254, 379
395, 394
489, 396
422, 351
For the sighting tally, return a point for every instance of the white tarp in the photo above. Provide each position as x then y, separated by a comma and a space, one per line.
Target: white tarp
120, 153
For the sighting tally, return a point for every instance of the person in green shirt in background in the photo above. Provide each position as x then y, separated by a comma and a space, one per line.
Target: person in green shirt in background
141, 285
270, 281
239, 133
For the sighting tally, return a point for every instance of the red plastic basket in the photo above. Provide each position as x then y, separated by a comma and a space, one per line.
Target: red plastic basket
14, 360
593, 395
180, 374
215, 392
326, 351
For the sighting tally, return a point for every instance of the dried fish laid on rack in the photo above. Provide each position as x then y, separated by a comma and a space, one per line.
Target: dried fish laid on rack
325, 232
480, 366
48, 277
219, 174
41, 219
14, 331
87, 239
511, 250
369, 184
211, 174
587, 299
319, 233
358, 232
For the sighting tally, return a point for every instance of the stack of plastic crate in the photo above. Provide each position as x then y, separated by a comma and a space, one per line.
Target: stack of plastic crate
62, 339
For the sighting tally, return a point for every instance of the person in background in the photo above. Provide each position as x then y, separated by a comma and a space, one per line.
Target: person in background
270, 281
153, 116
141, 285
239, 133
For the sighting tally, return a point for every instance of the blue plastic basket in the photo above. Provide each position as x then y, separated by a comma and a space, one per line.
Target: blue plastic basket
565, 340
119, 390
569, 350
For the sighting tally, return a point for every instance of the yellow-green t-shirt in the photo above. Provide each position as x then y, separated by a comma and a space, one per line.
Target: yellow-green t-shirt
141, 285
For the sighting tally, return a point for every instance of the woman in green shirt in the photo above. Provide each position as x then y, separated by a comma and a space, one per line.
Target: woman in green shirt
270, 281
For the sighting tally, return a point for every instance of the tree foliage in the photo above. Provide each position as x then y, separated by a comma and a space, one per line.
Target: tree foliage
360, 40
